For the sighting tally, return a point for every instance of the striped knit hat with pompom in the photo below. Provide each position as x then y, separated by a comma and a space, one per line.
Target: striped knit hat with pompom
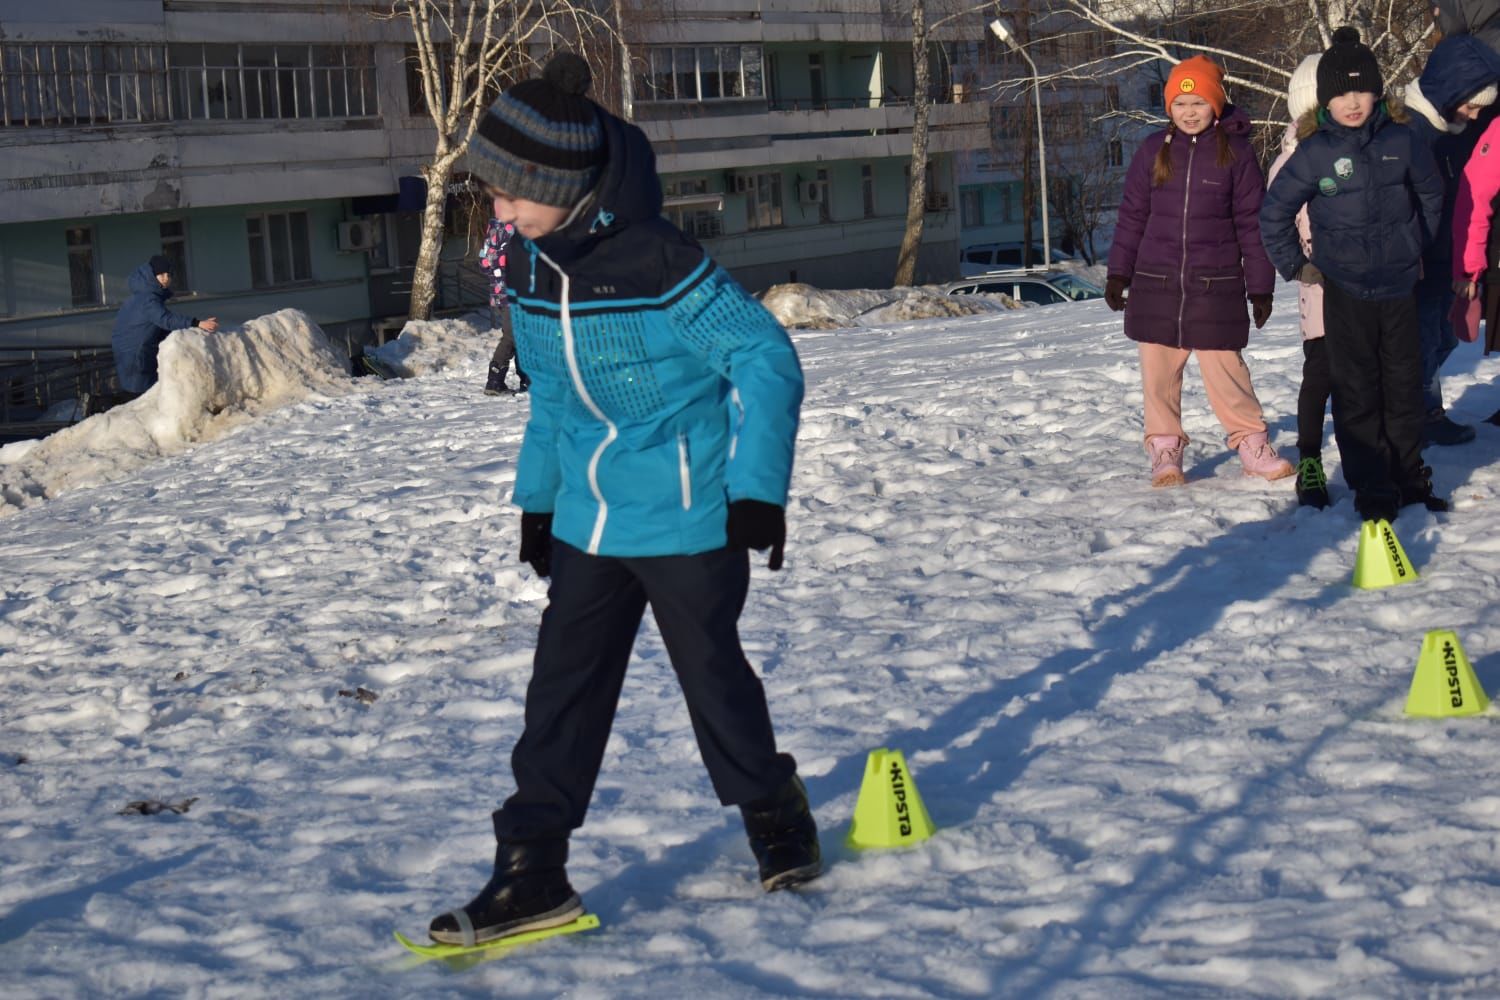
541, 140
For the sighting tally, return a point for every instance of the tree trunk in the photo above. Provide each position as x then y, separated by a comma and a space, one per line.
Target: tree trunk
916, 196
424, 279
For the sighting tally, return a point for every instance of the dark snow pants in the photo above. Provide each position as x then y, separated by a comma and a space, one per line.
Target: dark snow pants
1375, 362
595, 606
505, 351
1312, 397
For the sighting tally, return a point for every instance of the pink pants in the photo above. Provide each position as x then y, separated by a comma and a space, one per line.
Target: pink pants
1225, 377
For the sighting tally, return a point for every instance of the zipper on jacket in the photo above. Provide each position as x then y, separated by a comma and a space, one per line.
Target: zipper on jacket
685, 472
571, 354
1187, 194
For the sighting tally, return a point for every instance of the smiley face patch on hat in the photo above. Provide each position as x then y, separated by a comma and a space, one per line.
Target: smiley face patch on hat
1187, 86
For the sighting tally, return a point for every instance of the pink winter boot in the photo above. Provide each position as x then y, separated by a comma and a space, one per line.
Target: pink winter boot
1260, 459
1166, 459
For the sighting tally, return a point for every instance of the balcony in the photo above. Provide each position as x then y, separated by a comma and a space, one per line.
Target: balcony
796, 130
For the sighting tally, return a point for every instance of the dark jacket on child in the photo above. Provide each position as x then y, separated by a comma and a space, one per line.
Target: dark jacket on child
141, 325
1374, 199
1190, 248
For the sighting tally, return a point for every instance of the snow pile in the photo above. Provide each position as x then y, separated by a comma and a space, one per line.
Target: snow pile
209, 384
426, 347
798, 306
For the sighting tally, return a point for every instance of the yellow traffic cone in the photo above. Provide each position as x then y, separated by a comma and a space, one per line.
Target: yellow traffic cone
1444, 683
889, 812
1381, 561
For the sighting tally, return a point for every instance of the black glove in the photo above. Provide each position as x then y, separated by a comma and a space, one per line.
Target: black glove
1260, 308
755, 524
1114, 293
536, 542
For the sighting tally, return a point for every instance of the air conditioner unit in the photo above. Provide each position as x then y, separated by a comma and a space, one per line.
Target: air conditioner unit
812, 192
358, 235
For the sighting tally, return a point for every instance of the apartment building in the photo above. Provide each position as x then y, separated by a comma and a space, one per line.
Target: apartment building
1084, 142
783, 132
273, 151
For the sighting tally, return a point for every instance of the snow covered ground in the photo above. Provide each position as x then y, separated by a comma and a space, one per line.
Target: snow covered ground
1161, 735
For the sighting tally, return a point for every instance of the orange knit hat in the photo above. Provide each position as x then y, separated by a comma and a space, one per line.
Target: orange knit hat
1201, 77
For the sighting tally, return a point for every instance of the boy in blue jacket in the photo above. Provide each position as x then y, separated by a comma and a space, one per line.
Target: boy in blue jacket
664, 409
1374, 202
143, 322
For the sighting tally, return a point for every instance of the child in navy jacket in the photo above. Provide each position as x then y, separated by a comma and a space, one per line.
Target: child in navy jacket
1374, 201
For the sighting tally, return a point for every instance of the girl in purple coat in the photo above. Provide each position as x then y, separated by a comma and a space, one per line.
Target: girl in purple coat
1188, 247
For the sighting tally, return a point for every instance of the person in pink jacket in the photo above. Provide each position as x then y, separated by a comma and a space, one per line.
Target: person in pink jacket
1317, 387
1474, 236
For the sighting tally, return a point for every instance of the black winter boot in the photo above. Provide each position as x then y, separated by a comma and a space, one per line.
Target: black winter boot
784, 836
494, 384
528, 891
1419, 491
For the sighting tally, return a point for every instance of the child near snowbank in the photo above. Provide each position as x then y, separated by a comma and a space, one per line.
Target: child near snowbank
1188, 247
1374, 200
664, 411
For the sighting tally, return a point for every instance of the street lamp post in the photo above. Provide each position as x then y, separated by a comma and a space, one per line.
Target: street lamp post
1002, 31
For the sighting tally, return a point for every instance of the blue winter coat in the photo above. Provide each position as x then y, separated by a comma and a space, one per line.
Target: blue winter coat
141, 325
1374, 201
1457, 68
660, 390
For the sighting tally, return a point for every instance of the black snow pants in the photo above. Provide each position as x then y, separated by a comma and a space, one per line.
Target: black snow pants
595, 606
1375, 363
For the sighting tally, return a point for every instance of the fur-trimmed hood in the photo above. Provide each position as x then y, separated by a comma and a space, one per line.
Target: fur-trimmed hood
1395, 110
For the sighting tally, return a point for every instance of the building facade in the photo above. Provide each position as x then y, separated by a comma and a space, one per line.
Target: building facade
273, 149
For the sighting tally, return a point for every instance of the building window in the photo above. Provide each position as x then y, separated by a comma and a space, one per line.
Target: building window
762, 199
1154, 96
174, 248
273, 81
44, 85
867, 183
279, 250
1007, 206
825, 210
82, 275
1116, 153
700, 73
971, 207
698, 221
815, 78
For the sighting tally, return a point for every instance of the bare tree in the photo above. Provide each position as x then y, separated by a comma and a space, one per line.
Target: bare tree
465, 53
923, 32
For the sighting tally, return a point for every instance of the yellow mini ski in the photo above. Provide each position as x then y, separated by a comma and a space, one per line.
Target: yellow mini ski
587, 922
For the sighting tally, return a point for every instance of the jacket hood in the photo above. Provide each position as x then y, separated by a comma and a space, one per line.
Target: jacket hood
628, 191
1388, 109
1458, 68
1289, 138
1418, 103
142, 280
1234, 122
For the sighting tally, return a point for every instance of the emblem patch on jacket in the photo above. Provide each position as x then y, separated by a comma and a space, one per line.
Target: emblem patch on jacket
1344, 167
1328, 186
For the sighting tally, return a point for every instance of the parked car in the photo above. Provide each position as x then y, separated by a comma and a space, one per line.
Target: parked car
985, 257
1035, 289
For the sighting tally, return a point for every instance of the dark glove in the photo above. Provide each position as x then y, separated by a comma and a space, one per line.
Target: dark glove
1114, 293
536, 542
1260, 308
755, 524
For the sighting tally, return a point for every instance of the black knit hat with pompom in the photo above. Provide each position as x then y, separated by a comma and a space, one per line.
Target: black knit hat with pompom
541, 140
1348, 65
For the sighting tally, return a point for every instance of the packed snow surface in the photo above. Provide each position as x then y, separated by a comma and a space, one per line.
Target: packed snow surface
1160, 734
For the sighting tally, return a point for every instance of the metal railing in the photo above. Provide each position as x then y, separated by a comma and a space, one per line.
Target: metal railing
33, 381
